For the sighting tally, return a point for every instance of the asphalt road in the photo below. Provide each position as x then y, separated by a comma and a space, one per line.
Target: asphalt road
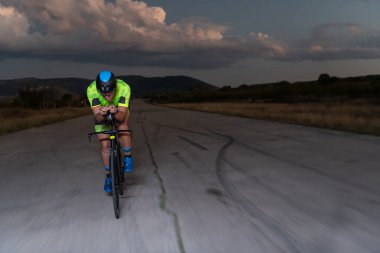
202, 183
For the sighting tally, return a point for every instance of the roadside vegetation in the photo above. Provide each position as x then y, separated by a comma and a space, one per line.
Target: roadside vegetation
36, 106
360, 118
13, 119
347, 104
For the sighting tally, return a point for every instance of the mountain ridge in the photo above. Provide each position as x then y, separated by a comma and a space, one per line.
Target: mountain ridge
140, 85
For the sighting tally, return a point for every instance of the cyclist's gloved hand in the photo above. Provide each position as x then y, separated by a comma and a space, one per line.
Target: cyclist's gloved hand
112, 109
104, 110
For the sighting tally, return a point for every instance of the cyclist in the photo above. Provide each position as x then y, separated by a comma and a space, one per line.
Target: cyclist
108, 94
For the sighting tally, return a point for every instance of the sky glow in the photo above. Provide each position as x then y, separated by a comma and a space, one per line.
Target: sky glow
221, 42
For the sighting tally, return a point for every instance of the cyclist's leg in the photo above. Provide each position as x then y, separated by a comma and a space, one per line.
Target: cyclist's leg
104, 144
126, 145
104, 151
104, 148
125, 138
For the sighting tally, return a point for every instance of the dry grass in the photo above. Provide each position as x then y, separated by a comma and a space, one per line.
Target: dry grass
16, 119
363, 118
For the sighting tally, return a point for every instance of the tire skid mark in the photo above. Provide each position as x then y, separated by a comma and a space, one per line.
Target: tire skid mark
317, 130
158, 128
195, 144
163, 194
179, 157
291, 202
254, 211
264, 185
196, 172
312, 169
323, 146
177, 128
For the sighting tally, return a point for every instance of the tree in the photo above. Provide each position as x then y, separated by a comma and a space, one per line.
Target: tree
225, 88
243, 86
324, 78
31, 96
66, 100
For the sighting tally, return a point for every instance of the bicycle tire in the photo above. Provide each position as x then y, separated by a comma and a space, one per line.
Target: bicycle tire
121, 171
121, 183
115, 190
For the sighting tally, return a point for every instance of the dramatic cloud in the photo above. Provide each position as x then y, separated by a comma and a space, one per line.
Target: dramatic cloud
13, 27
124, 32
338, 41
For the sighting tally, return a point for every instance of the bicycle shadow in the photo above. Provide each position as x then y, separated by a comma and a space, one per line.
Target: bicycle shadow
131, 180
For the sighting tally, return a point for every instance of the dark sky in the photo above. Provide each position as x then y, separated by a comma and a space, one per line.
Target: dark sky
221, 42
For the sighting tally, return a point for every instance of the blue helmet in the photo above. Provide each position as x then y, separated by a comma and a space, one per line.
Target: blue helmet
106, 81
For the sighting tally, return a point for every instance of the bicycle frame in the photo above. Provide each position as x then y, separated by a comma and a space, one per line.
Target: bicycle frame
117, 175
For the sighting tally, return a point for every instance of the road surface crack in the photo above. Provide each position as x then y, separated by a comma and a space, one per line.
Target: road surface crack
163, 195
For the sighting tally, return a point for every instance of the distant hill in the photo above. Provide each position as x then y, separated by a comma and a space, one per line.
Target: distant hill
71, 85
141, 86
326, 88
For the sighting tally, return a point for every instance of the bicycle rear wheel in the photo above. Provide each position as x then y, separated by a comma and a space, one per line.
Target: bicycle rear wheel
115, 181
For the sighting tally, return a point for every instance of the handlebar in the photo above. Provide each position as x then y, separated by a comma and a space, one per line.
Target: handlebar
109, 120
108, 132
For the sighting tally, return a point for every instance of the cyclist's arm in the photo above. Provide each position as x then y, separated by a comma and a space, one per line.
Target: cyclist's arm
123, 105
98, 110
122, 113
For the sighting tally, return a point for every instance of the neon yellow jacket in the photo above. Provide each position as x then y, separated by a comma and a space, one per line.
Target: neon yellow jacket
122, 96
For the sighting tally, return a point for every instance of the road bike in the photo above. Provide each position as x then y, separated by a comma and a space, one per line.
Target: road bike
116, 161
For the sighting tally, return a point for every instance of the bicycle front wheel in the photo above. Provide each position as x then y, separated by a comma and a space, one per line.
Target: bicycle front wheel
121, 171
115, 179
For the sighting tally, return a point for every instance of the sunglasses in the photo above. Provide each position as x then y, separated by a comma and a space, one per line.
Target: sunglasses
107, 93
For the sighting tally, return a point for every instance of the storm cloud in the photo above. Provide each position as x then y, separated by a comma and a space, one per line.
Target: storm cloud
131, 33
335, 41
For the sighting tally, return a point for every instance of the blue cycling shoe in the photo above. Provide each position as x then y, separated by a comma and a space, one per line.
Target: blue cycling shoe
108, 184
128, 164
